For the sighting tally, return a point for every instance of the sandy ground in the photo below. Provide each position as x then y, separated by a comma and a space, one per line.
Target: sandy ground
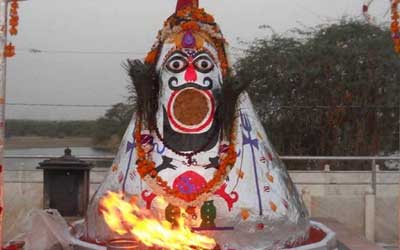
47, 142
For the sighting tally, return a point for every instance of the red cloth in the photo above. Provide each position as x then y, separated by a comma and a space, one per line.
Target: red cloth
181, 4
11, 247
316, 235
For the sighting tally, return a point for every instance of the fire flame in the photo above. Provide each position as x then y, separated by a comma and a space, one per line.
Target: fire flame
125, 218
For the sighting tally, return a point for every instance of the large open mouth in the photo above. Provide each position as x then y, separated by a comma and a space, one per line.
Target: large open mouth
191, 110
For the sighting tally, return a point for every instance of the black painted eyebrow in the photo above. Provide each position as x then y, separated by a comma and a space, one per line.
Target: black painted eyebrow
173, 55
178, 52
201, 53
176, 57
204, 53
203, 56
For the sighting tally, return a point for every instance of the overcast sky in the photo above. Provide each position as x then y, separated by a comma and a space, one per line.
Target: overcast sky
72, 33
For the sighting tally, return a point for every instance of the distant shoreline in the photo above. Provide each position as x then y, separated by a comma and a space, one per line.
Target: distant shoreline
21, 142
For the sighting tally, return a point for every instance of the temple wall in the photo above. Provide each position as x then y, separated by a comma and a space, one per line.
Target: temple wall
336, 194
343, 195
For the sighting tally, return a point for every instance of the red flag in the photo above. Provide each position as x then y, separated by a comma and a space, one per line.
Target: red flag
181, 4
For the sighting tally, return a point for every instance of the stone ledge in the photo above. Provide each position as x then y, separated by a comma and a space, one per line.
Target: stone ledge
349, 238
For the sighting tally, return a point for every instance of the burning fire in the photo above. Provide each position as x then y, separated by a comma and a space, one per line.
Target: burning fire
126, 218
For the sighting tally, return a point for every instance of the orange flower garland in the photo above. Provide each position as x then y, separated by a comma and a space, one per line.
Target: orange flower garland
146, 167
192, 25
198, 14
9, 50
394, 27
151, 56
196, 20
14, 17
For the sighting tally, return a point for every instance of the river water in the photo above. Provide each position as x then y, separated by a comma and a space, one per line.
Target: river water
33, 163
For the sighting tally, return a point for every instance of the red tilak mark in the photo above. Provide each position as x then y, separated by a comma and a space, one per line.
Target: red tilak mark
1, 210
229, 198
148, 198
190, 74
1, 168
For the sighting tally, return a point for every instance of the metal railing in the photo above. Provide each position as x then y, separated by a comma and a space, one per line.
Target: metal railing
372, 159
82, 157
302, 158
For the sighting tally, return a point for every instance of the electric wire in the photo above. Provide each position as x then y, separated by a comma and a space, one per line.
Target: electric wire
36, 51
61, 105
79, 51
268, 107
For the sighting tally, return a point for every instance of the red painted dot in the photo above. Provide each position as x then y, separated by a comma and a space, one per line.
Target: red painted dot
260, 226
1, 168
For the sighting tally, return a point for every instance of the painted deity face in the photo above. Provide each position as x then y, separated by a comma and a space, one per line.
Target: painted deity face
191, 78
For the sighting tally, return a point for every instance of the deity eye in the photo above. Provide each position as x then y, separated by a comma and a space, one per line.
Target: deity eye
176, 64
204, 64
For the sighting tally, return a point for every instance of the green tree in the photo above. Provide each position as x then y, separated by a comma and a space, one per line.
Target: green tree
333, 91
49, 128
113, 123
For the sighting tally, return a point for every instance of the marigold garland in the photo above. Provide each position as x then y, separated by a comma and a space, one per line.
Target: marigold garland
192, 25
198, 14
9, 49
196, 20
147, 171
394, 27
151, 56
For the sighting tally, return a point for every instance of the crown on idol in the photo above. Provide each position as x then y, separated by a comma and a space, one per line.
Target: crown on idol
187, 27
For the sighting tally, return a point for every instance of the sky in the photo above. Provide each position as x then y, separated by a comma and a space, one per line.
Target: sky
84, 42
